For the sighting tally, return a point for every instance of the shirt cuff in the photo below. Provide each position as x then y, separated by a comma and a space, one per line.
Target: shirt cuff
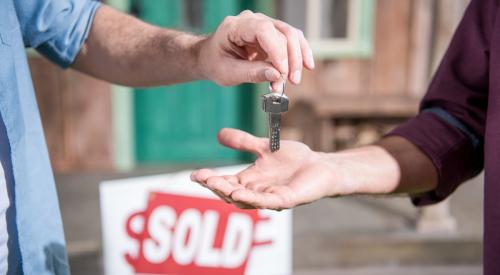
452, 152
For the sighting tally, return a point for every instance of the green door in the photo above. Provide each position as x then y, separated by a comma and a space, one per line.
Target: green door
179, 124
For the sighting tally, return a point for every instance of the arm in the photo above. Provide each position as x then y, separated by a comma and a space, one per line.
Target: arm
245, 48
125, 50
393, 165
428, 157
296, 175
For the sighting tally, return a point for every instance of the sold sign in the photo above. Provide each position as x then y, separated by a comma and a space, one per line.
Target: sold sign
166, 224
186, 235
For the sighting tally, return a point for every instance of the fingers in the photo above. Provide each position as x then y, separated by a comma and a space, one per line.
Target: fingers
249, 28
222, 186
274, 44
254, 195
238, 70
299, 51
202, 175
242, 141
294, 51
267, 200
285, 46
307, 53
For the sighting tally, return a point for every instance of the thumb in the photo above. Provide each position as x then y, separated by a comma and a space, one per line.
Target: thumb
242, 141
241, 71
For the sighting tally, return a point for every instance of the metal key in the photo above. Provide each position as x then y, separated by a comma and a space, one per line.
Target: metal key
274, 104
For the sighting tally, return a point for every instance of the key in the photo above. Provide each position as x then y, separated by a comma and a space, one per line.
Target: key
274, 104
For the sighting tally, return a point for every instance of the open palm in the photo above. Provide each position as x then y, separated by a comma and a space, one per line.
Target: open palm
292, 176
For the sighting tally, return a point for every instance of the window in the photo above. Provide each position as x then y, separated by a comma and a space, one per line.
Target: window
335, 28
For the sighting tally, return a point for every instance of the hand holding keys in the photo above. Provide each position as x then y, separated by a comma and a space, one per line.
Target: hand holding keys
274, 104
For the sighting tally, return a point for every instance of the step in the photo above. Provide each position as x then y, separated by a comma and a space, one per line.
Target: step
417, 270
401, 249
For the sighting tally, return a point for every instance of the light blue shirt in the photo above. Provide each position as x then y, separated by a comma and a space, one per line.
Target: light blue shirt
56, 29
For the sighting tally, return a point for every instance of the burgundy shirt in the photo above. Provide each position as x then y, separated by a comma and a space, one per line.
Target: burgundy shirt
458, 127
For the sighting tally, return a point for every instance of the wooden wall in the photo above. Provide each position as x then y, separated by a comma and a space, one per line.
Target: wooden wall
76, 115
389, 70
409, 37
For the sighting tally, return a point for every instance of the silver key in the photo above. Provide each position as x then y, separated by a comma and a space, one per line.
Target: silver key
274, 104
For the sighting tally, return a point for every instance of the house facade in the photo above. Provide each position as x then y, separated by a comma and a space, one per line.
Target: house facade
374, 60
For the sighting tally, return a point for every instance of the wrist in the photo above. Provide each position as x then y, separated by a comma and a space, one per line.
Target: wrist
364, 170
196, 52
337, 180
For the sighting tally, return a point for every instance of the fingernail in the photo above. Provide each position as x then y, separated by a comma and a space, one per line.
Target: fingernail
296, 76
271, 75
311, 59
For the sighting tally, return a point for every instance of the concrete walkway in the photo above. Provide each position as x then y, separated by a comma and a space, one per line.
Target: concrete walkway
343, 236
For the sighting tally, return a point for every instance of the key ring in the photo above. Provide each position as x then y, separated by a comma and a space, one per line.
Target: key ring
283, 78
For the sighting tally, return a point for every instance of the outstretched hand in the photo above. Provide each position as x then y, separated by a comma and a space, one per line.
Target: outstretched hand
292, 176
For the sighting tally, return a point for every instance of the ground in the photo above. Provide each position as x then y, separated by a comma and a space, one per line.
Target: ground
346, 236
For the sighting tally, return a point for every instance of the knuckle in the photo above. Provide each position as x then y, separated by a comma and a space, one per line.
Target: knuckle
261, 15
252, 76
282, 38
263, 25
289, 30
246, 13
228, 20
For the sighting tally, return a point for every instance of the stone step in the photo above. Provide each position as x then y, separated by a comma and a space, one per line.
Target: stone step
394, 270
324, 251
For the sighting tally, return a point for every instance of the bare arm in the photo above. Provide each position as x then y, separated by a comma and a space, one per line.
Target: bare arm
296, 175
125, 50
393, 165
245, 48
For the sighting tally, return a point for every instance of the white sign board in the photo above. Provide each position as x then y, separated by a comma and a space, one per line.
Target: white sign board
166, 224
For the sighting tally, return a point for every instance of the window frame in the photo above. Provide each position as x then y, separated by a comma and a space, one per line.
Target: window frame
359, 41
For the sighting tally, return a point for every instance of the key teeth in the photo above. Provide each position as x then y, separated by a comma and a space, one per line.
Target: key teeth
275, 139
275, 148
274, 131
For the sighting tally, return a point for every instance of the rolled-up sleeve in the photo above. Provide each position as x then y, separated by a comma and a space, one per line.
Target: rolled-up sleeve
451, 125
56, 28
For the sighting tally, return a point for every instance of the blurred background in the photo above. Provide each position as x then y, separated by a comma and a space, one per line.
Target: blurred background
374, 60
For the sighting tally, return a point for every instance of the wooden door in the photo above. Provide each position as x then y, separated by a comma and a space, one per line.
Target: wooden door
179, 124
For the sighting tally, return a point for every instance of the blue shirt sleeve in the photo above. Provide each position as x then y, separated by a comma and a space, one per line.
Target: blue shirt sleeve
56, 28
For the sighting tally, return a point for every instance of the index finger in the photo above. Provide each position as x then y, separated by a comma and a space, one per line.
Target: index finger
242, 141
274, 44
305, 48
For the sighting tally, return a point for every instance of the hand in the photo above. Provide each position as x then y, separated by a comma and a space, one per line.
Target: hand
252, 47
292, 176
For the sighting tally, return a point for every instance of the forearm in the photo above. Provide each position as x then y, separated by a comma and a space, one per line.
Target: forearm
124, 50
393, 165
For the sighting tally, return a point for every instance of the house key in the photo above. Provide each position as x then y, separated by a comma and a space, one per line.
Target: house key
274, 104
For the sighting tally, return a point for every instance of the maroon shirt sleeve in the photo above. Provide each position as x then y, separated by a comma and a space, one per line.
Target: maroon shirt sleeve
451, 125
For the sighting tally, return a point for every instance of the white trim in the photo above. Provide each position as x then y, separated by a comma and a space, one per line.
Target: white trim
313, 20
335, 46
